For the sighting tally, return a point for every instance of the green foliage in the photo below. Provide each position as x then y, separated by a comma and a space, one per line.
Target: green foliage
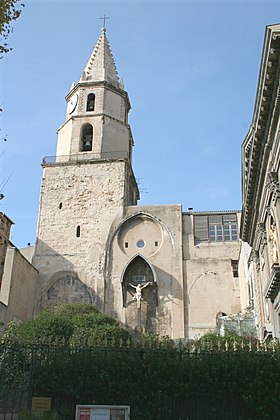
153, 341
157, 382
26, 415
10, 10
212, 341
66, 325
214, 378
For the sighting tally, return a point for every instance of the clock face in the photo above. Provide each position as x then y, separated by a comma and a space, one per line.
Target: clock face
72, 103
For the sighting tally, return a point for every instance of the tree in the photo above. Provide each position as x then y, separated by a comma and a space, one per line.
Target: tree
66, 325
10, 10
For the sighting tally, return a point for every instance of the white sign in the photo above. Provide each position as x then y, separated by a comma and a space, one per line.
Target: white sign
102, 412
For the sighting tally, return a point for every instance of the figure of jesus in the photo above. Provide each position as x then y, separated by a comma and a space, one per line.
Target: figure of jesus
138, 293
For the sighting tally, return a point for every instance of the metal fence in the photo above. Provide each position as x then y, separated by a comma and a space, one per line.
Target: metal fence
157, 383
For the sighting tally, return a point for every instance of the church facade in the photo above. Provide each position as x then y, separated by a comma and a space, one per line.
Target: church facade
155, 268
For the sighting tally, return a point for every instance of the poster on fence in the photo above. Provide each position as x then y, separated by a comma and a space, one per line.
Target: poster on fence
41, 404
102, 412
84, 414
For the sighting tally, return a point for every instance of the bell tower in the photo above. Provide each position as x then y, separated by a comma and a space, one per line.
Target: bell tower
85, 186
97, 111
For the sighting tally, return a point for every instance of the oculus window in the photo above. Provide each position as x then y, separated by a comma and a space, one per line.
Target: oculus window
140, 243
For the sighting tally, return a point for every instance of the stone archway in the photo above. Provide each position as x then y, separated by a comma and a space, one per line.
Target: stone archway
66, 287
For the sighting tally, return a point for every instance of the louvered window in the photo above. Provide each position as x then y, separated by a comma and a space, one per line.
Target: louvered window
215, 228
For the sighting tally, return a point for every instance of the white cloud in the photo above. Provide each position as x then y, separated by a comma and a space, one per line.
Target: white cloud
215, 193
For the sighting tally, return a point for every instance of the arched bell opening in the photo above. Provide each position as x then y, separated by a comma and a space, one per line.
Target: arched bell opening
139, 289
91, 102
86, 138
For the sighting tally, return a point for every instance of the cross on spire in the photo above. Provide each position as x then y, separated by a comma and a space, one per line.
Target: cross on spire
104, 20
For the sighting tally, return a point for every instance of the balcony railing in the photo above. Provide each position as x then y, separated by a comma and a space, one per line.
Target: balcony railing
85, 157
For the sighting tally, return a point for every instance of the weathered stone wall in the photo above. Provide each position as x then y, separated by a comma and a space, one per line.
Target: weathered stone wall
78, 205
5, 229
63, 147
28, 252
210, 286
116, 136
160, 229
5, 225
114, 105
18, 286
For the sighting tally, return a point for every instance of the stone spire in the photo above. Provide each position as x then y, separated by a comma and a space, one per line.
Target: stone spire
101, 66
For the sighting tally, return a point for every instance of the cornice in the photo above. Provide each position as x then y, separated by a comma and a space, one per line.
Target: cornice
102, 84
258, 143
101, 114
216, 212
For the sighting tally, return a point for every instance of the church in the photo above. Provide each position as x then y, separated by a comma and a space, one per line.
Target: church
157, 269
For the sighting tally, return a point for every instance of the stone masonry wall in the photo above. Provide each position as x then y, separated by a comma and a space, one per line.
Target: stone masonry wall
18, 287
160, 229
78, 205
210, 284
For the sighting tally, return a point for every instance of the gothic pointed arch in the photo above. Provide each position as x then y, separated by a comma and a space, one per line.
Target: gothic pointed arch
138, 271
139, 265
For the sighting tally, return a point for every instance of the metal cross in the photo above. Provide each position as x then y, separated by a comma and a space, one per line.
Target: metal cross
104, 20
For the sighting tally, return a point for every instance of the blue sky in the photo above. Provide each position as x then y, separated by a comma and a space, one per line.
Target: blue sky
190, 69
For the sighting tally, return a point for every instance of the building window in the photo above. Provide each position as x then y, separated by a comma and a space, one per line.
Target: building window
216, 232
60, 205
234, 266
78, 231
126, 244
90, 102
156, 243
87, 136
140, 243
138, 279
215, 228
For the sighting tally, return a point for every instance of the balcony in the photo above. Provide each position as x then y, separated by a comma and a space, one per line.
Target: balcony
85, 157
273, 283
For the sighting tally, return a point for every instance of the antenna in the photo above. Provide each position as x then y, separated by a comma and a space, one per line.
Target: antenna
142, 190
2, 186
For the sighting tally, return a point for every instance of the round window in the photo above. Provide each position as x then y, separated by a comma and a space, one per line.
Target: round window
140, 243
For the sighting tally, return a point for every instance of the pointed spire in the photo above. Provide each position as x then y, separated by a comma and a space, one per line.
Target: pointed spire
101, 65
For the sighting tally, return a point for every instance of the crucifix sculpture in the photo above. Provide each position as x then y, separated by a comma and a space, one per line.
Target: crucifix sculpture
138, 297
